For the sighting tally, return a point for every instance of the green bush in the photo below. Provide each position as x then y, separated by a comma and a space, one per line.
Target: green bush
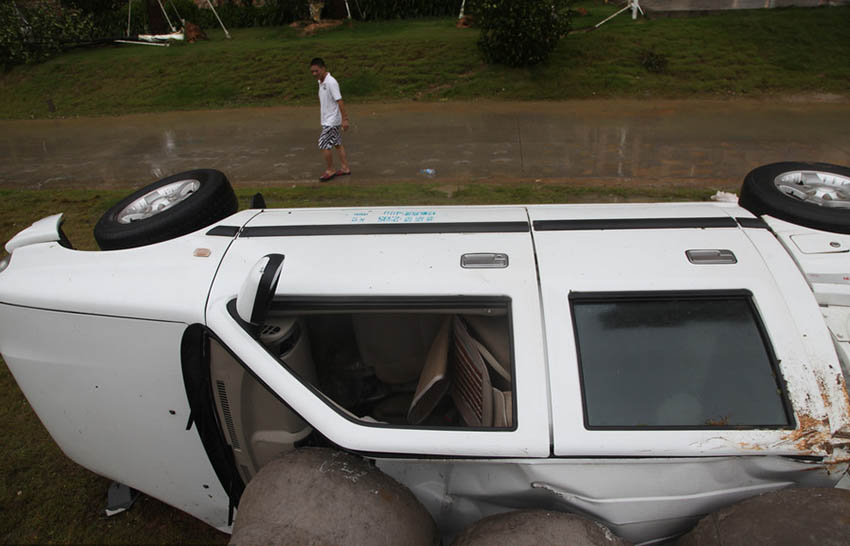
105, 14
110, 16
32, 32
271, 13
520, 32
371, 10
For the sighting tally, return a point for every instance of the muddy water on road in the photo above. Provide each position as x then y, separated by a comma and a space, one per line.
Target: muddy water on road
633, 142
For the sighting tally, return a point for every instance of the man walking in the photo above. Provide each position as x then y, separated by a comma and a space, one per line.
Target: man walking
333, 117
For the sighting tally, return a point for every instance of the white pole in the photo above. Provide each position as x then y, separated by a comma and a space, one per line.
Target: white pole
462, 5
219, 19
635, 9
129, 11
630, 5
347, 10
600, 23
139, 43
166, 16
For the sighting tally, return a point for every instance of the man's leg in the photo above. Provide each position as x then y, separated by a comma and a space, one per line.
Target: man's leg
327, 140
329, 161
343, 161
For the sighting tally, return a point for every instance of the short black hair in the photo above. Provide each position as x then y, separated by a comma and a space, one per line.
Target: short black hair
317, 61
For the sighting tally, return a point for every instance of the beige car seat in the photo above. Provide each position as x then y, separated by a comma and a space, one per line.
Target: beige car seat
395, 344
458, 361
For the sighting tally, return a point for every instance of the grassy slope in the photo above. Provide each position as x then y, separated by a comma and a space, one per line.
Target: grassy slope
44, 497
753, 52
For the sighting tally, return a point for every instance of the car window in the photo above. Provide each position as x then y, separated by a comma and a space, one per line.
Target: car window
678, 360
432, 363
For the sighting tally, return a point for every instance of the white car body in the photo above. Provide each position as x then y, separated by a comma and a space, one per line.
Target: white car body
94, 340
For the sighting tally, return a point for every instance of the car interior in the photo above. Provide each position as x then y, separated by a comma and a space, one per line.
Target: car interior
438, 366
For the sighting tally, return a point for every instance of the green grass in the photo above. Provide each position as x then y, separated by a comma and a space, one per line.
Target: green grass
753, 53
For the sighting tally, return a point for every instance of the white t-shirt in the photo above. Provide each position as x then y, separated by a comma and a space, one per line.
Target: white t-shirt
328, 95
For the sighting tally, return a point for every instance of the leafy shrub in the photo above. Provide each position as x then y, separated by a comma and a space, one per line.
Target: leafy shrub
520, 32
105, 14
654, 62
115, 26
280, 12
371, 10
110, 16
32, 32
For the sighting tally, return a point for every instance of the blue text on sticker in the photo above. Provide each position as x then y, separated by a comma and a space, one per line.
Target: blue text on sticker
406, 216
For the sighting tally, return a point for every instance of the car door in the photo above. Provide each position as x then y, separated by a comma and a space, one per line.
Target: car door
380, 284
679, 330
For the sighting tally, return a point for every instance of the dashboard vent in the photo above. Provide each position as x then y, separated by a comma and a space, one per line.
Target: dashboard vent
270, 330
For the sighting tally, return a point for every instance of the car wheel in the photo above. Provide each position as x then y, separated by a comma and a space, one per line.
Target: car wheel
815, 195
171, 207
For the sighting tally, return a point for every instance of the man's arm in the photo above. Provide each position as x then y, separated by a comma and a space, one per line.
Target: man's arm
344, 115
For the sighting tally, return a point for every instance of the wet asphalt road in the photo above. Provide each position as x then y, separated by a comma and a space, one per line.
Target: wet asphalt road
688, 142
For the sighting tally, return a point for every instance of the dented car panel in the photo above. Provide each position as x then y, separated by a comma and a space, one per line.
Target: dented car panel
824, 411
640, 499
556, 281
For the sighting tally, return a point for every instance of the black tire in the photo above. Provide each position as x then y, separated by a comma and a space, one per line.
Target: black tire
760, 195
212, 201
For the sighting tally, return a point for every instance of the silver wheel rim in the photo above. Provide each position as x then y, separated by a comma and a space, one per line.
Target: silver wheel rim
158, 200
816, 187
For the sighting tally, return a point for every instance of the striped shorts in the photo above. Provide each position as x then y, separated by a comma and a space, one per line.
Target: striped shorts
329, 138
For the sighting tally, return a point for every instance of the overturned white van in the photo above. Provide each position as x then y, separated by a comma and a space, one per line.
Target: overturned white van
642, 365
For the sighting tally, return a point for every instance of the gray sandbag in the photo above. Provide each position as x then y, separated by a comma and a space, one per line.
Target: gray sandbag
537, 528
280, 535
790, 517
323, 497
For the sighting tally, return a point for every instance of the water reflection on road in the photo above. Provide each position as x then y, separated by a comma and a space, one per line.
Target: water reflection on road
647, 141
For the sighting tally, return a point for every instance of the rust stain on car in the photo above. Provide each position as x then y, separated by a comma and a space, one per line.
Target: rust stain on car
842, 434
813, 435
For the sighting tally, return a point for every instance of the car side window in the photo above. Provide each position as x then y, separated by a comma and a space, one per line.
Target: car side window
428, 363
676, 360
